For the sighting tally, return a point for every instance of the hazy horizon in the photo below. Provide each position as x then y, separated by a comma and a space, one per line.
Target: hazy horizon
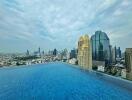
29, 24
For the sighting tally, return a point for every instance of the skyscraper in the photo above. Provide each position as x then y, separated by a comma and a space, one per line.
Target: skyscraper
65, 54
101, 49
54, 52
27, 53
84, 53
114, 55
73, 54
39, 50
128, 61
43, 52
118, 52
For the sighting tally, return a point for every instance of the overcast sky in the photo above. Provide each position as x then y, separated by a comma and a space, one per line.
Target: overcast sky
28, 24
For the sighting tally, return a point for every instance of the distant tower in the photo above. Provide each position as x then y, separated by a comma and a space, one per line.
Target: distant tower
128, 61
118, 52
27, 53
43, 52
84, 53
114, 54
55, 52
73, 53
39, 50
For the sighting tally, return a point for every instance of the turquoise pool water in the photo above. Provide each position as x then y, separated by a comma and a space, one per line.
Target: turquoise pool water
56, 81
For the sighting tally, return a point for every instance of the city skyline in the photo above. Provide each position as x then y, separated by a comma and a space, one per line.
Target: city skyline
59, 24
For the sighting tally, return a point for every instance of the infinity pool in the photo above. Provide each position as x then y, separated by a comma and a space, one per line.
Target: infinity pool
56, 81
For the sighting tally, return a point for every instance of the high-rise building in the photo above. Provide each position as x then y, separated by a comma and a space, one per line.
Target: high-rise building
101, 50
128, 61
65, 54
27, 53
43, 52
39, 50
114, 55
73, 54
50, 52
54, 52
84, 53
118, 52
110, 57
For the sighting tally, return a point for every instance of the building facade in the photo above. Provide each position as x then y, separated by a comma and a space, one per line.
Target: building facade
114, 55
128, 61
27, 53
73, 53
101, 49
84, 53
118, 53
54, 52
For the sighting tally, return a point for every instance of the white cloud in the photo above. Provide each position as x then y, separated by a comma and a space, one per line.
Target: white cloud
54, 22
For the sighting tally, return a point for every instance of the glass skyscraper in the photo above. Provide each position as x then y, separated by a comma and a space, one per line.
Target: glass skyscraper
101, 47
73, 54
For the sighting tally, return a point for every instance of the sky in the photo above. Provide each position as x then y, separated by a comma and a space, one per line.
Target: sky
49, 24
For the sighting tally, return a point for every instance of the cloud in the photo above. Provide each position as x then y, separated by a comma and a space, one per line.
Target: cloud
59, 23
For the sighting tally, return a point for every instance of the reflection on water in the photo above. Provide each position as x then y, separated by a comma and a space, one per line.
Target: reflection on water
56, 81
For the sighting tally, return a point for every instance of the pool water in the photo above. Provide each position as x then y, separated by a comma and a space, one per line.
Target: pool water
56, 81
